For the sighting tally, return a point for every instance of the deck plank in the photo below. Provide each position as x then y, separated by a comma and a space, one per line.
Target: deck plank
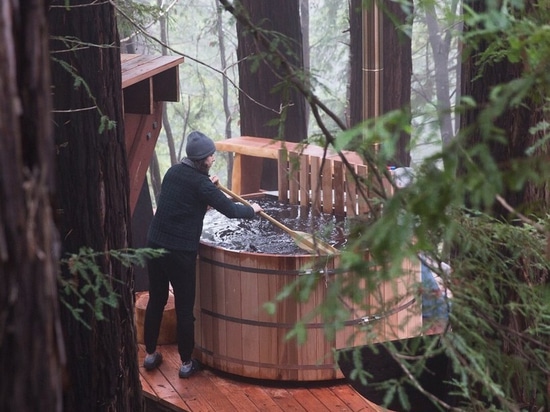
195, 397
214, 391
284, 399
308, 401
235, 392
145, 385
331, 401
166, 393
353, 400
217, 400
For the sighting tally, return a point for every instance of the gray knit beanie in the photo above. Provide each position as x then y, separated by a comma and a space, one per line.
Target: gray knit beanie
199, 146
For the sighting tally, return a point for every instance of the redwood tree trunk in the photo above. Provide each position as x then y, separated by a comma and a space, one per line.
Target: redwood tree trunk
94, 210
479, 81
397, 65
516, 122
31, 348
260, 103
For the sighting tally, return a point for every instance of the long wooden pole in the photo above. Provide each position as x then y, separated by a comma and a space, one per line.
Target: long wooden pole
303, 240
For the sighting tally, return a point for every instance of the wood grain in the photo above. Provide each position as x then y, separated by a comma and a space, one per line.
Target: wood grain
210, 390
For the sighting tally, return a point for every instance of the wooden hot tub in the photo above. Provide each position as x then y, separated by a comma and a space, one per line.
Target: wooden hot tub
233, 331
235, 334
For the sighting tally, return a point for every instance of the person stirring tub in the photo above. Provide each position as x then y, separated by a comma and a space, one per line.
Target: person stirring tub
187, 191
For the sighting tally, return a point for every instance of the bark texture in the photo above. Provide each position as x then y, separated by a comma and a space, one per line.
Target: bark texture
31, 347
266, 108
512, 127
397, 66
395, 61
478, 81
93, 184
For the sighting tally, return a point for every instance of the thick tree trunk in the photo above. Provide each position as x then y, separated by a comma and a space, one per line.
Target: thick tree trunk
479, 81
397, 72
516, 122
261, 106
93, 185
392, 66
31, 346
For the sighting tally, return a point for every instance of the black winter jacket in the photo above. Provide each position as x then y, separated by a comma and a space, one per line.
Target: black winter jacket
184, 198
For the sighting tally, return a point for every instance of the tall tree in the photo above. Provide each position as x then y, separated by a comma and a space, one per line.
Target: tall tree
270, 107
381, 64
225, 85
397, 69
504, 128
483, 74
102, 370
31, 346
441, 42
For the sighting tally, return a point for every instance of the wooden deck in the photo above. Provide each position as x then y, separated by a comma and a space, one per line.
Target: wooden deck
211, 390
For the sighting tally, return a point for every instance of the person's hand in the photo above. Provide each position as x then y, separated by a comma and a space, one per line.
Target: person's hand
214, 179
257, 208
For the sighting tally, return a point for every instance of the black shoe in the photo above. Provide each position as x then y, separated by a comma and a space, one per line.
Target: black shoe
152, 361
189, 368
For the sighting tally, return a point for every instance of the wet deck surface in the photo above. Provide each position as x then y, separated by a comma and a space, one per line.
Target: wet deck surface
211, 390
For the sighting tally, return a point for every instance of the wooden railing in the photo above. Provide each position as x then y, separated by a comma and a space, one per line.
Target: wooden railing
306, 175
325, 184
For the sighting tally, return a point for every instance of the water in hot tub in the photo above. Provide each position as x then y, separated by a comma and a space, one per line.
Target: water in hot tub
259, 235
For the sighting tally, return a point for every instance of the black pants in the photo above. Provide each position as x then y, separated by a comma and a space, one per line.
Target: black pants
177, 268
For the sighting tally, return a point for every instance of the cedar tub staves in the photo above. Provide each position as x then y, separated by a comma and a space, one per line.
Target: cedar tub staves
235, 334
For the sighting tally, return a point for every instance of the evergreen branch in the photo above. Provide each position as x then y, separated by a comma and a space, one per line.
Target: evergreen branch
86, 287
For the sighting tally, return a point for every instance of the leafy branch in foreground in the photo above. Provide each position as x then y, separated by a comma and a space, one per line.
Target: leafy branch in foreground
86, 282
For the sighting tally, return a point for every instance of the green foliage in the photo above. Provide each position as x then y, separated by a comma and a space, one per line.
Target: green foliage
499, 281
498, 336
516, 32
88, 286
500, 306
499, 285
